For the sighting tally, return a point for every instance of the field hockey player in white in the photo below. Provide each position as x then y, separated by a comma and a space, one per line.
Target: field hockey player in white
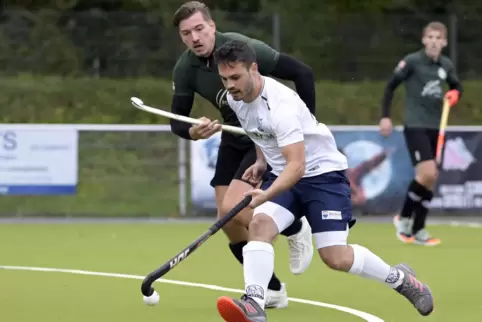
307, 179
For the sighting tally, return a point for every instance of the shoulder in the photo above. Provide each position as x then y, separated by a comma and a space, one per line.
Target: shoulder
446, 62
236, 36
408, 61
256, 44
413, 58
278, 94
183, 63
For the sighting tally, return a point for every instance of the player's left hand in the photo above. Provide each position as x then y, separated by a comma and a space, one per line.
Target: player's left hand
254, 173
259, 197
452, 96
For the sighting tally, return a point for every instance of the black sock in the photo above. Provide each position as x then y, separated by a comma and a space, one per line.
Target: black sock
237, 250
421, 212
413, 198
293, 229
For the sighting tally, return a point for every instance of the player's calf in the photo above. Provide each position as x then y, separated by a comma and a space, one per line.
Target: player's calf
358, 260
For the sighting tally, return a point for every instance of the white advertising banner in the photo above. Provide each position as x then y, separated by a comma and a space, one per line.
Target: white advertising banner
204, 154
38, 160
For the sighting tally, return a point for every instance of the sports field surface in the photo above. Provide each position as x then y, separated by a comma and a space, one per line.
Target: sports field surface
91, 273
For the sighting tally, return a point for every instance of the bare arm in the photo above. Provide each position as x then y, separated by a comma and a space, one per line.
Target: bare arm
294, 171
260, 156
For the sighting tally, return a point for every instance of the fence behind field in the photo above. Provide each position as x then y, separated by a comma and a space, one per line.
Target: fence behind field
132, 170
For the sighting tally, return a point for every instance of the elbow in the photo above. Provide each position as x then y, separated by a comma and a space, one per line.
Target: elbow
306, 73
175, 128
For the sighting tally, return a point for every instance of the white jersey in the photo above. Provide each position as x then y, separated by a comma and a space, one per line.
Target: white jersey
278, 117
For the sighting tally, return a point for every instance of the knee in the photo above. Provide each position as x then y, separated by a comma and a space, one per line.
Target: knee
428, 174
242, 218
262, 228
336, 257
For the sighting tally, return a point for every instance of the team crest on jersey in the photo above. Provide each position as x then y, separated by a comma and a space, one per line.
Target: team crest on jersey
442, 73
260, 124
401, 65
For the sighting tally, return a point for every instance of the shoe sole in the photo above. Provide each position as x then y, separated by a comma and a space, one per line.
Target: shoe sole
229, 311
425, 244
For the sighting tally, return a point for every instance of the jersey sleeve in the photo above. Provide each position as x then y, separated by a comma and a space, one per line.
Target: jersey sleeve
404, 68
180, 79
287, 125
452, 78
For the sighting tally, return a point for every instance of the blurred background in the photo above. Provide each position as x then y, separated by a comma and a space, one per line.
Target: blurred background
71, 145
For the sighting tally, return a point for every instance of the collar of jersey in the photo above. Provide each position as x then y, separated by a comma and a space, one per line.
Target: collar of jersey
429, 60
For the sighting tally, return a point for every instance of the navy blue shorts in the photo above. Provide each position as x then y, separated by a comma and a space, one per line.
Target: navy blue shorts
325, 200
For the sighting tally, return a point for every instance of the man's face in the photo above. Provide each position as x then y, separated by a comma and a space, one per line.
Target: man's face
198, 34
238, 79
434, 41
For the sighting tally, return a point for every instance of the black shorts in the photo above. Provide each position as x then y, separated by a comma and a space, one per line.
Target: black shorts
234, 158
421, 143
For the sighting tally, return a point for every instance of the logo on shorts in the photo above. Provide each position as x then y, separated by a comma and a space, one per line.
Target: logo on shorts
255, 291
331, 215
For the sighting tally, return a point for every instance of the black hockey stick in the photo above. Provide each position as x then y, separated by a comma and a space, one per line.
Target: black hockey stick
147, 289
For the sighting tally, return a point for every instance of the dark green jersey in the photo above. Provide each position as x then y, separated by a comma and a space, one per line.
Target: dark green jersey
424, 79
199, 75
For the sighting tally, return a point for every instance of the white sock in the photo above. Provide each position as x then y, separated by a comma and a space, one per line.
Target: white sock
369, 265
258, 259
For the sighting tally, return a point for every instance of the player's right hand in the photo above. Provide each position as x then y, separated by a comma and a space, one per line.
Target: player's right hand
205, 129
254, 173
386, 126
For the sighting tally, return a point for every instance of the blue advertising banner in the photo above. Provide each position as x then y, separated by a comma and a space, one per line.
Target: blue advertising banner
380, 170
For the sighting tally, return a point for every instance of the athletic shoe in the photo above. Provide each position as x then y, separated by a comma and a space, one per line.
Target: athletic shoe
416, 292
277, 299
301, 248
403, 228
423, 238
244, 310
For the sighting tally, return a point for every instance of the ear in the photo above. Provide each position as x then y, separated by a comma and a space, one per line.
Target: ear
212, 24
253, 68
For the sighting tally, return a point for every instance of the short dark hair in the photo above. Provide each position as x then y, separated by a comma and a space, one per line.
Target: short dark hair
188, 9
235, 51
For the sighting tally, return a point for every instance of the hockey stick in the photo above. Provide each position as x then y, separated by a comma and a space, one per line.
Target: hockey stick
441, 133
140, 105
150, 295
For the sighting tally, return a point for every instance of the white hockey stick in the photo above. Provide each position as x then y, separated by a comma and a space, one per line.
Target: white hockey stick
137, 102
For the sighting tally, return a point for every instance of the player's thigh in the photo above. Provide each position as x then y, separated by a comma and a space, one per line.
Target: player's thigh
419, 145
227, 163
282, 209
422, 146
327, 203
